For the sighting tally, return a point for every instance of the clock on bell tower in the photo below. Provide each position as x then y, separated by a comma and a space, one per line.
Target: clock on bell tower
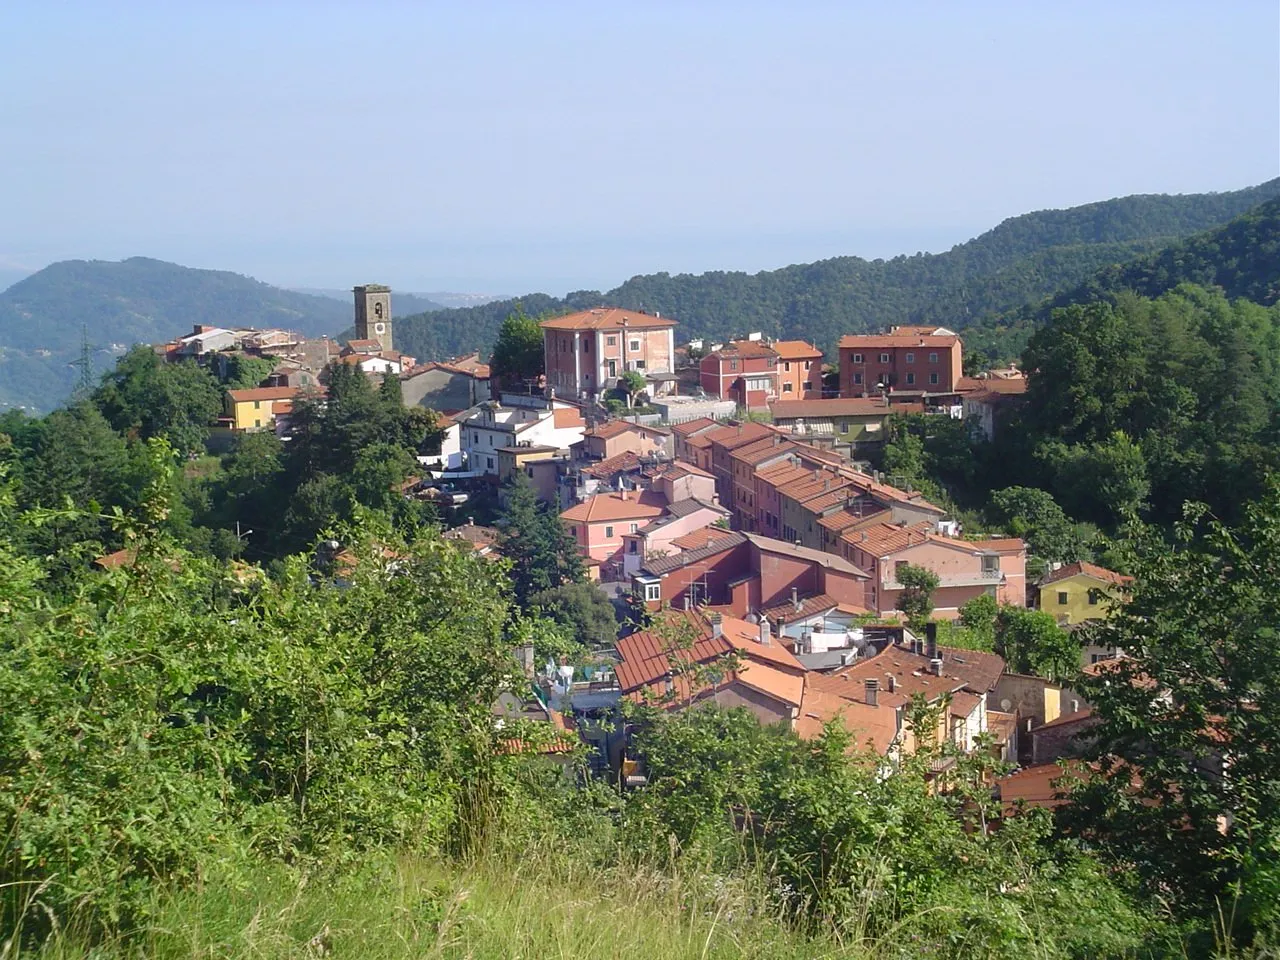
373, 313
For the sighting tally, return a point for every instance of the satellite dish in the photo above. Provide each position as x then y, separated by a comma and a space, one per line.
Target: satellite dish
1005, 705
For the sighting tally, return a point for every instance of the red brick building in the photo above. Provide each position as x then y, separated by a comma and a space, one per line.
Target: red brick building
799, 370
744, 371
910, 360
586, 352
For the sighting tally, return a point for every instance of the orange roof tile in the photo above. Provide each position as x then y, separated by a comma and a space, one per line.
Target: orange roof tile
606, 318
900, 337
702, 537
1091, 570
693, 426
839, 407
796, 350
621, 505
874, 728
567, 417
263, 393
742, 348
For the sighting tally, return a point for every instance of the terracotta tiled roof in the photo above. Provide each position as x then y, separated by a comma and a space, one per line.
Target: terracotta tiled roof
697, 539
648, 657
679, 468
120, 558
604, 507
607, 318
1083, 568
709, 548
1067, 719
623, 462
693, 426
963, 703
900, 337
840, 407
364, 345
263, 393
787, 611
473, 533
796, 350
736, 435
995, 386
969, 670
842, 520
743, 349
871, 728
762, 450
1045, 785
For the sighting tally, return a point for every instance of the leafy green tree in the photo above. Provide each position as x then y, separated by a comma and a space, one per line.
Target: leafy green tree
1033, 515
174, 401
1032, 642
978, 616
1189, 725
583, 609
518, 353
916, 598
244, 370
632, 382
543, 556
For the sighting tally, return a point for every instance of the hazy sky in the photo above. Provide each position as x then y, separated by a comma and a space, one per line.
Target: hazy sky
506, 147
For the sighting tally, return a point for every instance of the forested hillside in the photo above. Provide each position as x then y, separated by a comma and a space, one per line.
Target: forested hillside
1242, 258
118, 304
1023, 260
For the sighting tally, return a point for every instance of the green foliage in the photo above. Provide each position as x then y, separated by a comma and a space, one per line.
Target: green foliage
581, 608
245, 370
1190, 722
173, 401
1033, 515
517, 352
632, 381
543, 556
916, 597
1032, 642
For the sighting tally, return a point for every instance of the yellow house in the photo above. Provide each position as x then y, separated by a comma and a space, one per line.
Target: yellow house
1080, 592
256, 408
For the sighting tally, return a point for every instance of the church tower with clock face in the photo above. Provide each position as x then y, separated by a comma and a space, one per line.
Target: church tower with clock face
373, 313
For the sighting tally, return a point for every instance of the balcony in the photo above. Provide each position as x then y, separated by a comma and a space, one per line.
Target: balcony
982, 578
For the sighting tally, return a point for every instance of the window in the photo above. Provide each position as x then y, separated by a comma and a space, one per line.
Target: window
638, 365
608, 533
933, 379
786, 388
733, 364
911, 378
257, 404
632, 546
1062, 598
911, 358
257, 423
652, 591
884, 358
787, 366
586, 345
807, 364
857, 378
634, 346
635, 527
610, 341
528, 472
489, 462
857, 358
1093, 598
933, 358
898, 567
573, 531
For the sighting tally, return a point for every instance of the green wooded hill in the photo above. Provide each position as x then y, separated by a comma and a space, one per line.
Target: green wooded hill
1023, 260
1241, 257
118, 304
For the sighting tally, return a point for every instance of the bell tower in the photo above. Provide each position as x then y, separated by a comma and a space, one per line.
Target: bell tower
373, 313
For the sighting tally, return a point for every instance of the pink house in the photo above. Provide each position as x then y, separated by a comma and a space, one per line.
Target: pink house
965, 568
599, 523
656, 537
683, 481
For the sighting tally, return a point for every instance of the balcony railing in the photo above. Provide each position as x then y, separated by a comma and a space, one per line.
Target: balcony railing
984, 578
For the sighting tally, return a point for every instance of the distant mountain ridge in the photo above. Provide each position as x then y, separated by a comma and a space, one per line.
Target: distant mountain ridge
119, 303
1021, 261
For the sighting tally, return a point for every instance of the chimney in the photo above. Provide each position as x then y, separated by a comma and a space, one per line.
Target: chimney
471, 521
935, 666
795, 599
1075, 706
717, 628
765, 639
931, 633
893, 683
873, 690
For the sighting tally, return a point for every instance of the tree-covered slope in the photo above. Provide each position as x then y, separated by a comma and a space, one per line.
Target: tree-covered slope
138, 300
1024, 259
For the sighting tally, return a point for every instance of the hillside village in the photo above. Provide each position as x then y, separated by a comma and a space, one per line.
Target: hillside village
733, 509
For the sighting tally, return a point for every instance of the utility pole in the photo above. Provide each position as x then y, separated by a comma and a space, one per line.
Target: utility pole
84, 383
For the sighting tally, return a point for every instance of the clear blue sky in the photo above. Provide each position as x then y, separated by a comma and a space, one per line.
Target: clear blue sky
507, 147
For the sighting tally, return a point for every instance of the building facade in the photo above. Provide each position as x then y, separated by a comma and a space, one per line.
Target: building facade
911, 360
586, 352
